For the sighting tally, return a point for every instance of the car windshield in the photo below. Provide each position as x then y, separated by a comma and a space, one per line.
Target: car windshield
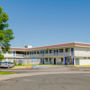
10, 63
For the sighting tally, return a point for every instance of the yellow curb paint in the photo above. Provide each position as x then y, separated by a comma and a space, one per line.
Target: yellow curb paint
23, 67
71, 65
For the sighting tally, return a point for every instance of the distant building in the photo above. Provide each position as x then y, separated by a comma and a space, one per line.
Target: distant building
74, 53
27, 46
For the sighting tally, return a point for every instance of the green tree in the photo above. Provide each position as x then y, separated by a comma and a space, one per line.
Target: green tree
6, 34
1, 57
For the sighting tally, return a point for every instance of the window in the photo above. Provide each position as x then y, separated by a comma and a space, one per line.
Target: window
61, 59
37, 52
50, 51
67, 49
34, 52
50, 60
84, 57
46, 59
42, 52
88, 57
60, 50
30, 53
27, 53
55, 51
46, 51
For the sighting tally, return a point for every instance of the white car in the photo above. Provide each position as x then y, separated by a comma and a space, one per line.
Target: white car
6, 64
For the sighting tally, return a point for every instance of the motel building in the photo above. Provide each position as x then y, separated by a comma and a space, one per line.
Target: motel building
73, 53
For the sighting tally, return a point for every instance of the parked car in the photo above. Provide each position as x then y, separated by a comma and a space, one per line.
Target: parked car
6, 64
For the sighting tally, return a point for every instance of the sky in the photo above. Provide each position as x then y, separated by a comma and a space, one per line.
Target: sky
47, 22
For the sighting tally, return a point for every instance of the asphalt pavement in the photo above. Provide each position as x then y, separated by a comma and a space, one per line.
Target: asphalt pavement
75, 81
47, 78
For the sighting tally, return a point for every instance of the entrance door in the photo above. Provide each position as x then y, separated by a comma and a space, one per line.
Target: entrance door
55, 61
69, 61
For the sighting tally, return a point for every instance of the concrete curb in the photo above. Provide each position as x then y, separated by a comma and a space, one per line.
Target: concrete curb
6, 77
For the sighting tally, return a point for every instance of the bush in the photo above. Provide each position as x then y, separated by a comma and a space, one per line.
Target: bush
41, 64
19, 64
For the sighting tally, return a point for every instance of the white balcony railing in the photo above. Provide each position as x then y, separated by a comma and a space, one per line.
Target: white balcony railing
19, 55
51, 55
39, 55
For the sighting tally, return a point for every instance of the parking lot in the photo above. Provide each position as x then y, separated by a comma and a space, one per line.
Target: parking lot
47, 78
49, 82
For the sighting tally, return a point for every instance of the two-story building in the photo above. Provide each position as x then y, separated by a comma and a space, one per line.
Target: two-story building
74, 53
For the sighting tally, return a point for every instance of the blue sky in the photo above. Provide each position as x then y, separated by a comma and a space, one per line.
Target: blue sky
47, 22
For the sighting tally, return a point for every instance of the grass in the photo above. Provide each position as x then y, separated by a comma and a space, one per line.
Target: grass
6, 73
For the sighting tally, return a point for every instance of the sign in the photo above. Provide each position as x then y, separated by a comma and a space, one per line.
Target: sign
34, 58
21, 58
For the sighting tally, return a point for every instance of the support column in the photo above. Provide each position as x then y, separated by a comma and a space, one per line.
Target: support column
73, 61
65, 60
42, 61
